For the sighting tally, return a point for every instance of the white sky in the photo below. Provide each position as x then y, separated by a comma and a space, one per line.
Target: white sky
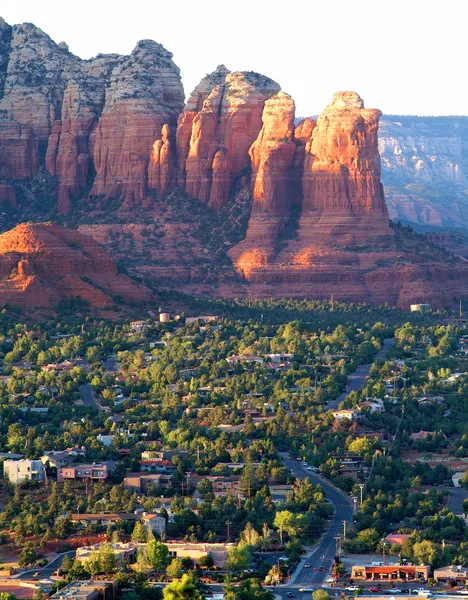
402, 56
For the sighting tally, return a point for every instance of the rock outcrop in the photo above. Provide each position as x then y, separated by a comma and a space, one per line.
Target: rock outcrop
43, 264
95, 121
222, 119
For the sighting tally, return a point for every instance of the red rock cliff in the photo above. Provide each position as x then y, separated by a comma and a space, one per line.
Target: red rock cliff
98, 119
216, 130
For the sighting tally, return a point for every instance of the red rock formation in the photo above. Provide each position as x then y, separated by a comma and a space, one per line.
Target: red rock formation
42, 264
144, 93
342, 193
19, 157
160, 170
216, 131
69, 147
272, 155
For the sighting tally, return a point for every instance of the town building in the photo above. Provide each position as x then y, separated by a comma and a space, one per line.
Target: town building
103, 518
451, 573
420, 308
94, 472
87, 590
201, 319
125, 553
391, 573
218, 552
18, 471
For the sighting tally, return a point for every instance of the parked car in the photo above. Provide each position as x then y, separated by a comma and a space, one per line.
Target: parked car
394, 591
307, 566
375, 590
352, 588
306, 589
422, 591
405, 591
463, 592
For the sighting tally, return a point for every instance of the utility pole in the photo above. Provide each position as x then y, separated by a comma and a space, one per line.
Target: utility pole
384, 543
344, 530
228, 523
461, 310
361, 487
338, 546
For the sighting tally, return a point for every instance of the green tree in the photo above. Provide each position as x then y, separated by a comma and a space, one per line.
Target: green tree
183, 589
425, 553
158, 555
139, 533
320, 595
239, 558
174, 568
249, 589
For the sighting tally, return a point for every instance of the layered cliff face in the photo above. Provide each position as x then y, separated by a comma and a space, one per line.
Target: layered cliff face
95, 121
425, 169
43, 264
225, 196
222, 119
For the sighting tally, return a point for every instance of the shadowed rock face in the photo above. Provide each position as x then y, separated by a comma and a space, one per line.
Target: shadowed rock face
42, 264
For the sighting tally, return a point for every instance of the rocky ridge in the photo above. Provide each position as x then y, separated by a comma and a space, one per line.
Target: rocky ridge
43, 264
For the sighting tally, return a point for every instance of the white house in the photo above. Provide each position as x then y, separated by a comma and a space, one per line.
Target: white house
154, 522
17, 471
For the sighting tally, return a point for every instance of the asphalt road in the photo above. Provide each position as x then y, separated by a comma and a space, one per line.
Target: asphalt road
46, 571
87, 396
324, 554
357, 379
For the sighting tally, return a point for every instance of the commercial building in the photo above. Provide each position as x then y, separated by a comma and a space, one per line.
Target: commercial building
17, 471
218, 552
451, 573
125, 553
391, 573
87, 590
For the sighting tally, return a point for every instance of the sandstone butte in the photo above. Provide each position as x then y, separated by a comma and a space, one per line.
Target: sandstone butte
115, 127
42, 264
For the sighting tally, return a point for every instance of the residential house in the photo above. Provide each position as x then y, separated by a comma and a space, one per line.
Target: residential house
103, 518
373, 405
62, 458
350, 414
139, 482
397, 538
138, 326
95, 472
155, 522
18, 471
244, 358
279, 357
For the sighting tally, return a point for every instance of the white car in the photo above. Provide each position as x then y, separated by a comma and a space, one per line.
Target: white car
422, 591
463, 592
352, 588
306, 589
395, 591
307, 566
